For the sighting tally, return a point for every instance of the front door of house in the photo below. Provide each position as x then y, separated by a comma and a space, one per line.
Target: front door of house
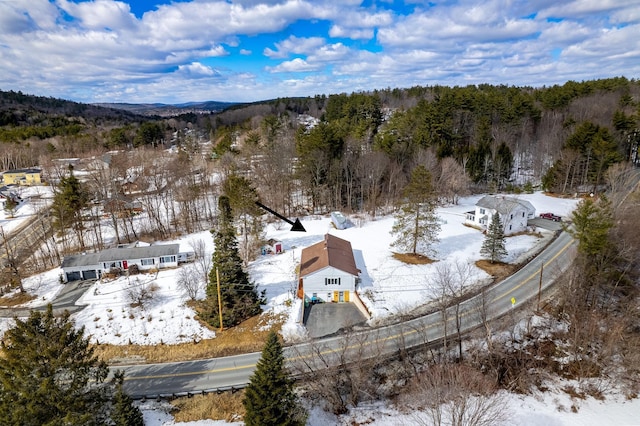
341, 296
124, 264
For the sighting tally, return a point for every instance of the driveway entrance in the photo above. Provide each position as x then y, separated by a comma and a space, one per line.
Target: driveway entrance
323, 319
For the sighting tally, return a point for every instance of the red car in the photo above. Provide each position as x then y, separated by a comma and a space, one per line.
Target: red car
551, 216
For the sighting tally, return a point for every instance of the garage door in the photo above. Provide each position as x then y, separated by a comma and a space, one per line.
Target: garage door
89, 275
74, 276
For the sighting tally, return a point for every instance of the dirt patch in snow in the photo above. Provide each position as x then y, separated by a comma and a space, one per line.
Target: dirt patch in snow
498, 270
413, 258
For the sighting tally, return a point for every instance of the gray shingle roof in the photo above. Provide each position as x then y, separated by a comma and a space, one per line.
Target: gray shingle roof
502, 204
115, 254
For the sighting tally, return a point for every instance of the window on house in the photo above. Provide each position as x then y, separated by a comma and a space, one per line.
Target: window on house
509, 227
522, 214
148, 262
511, 216
167, 259
482, 211
332, 281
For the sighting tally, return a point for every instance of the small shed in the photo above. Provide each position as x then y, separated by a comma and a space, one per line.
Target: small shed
273, 246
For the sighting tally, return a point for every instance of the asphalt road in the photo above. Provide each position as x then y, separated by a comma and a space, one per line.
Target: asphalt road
21, 242
182, 378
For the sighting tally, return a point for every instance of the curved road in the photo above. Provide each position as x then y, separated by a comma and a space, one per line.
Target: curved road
181, 378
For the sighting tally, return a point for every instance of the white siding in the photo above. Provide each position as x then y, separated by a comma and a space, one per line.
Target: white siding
512, 222
316, 282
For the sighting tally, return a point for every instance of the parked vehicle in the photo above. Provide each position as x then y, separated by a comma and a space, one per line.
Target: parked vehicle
551, 216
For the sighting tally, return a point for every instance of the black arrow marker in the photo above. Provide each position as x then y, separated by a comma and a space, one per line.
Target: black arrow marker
296, 226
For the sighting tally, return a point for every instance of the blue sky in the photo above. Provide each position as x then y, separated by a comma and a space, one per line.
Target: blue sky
144, 51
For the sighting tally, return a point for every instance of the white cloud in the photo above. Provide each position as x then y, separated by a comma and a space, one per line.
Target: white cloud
581, 8
330, 53
295, 45
94, 50
99, 15
216, 52
20, 17
354, 34
197, 70
294, 65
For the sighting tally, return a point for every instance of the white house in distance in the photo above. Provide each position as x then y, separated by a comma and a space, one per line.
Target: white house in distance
328, 271
514, 213
93, 265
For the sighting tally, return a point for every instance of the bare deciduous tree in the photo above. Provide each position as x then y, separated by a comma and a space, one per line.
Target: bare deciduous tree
140, 294
456, 395
189, 281
344, 376
450, 283
203, 260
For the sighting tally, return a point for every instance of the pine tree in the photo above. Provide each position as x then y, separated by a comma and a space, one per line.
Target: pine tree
69, 199
242, 199
493, 245
45, 374
124, 412
416, 225
240, 298
10, 206
592, 221
269, 399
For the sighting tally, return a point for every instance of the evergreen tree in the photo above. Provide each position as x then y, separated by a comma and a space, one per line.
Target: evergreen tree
45, 373
242, 199
124, 412
493, 245
240, 298
69, 199
269, 399
592, 220
416, 225
10, 206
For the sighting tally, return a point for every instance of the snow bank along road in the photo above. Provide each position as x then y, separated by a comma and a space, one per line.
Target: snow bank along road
218, 374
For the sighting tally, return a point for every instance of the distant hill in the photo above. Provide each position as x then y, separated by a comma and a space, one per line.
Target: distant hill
166, 110
17, 108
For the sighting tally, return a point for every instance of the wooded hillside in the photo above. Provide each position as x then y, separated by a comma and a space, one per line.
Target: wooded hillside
356, 151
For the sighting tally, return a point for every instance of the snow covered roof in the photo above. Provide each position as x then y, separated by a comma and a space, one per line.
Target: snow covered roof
332, 251
504, 205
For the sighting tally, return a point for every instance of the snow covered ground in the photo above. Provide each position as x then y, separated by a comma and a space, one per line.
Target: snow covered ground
388, 287
547, 409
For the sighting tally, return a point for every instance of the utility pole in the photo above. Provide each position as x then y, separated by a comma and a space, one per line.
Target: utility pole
540, 285
219, 298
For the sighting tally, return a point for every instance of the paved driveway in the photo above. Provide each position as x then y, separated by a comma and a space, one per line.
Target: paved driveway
65, 301
323, 319
545, 224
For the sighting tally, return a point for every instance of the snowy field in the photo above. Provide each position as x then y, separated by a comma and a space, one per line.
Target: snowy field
388, 287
